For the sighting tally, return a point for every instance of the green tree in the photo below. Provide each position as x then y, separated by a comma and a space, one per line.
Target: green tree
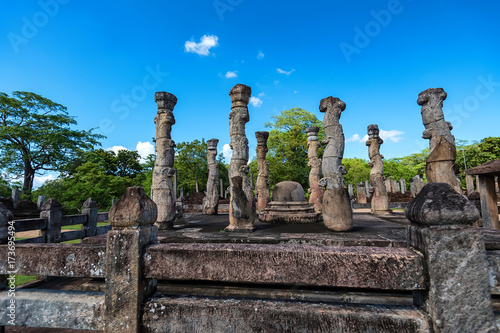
357, 170
287, 146
476, 153
102, 175
191, 162
36, 135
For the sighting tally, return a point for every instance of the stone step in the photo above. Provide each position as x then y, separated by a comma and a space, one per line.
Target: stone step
194, 314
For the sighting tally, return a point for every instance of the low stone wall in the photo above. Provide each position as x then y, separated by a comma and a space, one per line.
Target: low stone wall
400, 205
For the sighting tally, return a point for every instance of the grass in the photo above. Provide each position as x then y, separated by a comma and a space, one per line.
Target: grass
22, 279
79, 226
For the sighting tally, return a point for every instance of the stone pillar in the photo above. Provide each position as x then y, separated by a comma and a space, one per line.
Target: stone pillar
387, 183
367, 188
132, 220
90, 209
40, 201
458, 297
211, 200
262, 183
15, 197
51, 211
163, 172
315, 190
350, 190
221, 185
174, 188
488, 195
402, 183
242, 204
397, 188
413, 188
469, 181
337, 212
380, 199
360, 193
443, 153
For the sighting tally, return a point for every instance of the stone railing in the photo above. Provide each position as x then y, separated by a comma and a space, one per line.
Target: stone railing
51, 220
444, 266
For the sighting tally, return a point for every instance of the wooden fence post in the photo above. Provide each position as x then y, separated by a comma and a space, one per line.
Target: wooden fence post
51, 211
132, 219
458, 298
90, 209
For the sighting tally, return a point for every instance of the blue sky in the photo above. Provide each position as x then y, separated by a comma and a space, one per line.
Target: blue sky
105, 60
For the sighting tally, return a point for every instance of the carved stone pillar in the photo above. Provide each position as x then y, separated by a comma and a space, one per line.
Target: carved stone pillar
337, 212
441, 160
242, 204
380, 199
262, 184
315, 190
211, 200
163, 172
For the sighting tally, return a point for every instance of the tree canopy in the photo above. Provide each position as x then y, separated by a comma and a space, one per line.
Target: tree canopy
36, 135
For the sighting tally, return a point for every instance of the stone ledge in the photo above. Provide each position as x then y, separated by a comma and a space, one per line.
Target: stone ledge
233, 315
334, 266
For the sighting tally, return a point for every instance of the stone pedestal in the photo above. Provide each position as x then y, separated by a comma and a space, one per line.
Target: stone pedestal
315, 190
162, 189
458, 297
242, 204
380, 199
443, 153
262, 183
131, 219
211, 200
337, 212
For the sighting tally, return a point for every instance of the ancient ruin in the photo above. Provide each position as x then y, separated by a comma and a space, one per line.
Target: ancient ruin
361, 193
211, 200
161, 189
289, 205
441, 160
315, 190
262, 183
337, 212
380, 199
241, 206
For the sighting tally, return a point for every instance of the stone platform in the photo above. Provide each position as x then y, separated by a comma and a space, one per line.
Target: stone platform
289, 212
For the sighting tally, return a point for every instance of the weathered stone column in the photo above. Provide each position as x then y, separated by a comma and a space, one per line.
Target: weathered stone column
402, 182
489, 207
380, 199
242, 204
90, 209
367, 188
163, 172
315, 190
469, 181
337, 212
458, 297
361, 193
132, 220
16, 194
350, 190
262, 183
439, 167
51, 211
211, 200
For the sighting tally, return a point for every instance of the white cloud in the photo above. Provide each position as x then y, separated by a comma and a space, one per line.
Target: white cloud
276, 82
260, 55
227, 152
203, 47
295, 91
116, 149
230, 75
393, 135
39, 180
144, 149
256, 102
353, 138
262, 94
279, 70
